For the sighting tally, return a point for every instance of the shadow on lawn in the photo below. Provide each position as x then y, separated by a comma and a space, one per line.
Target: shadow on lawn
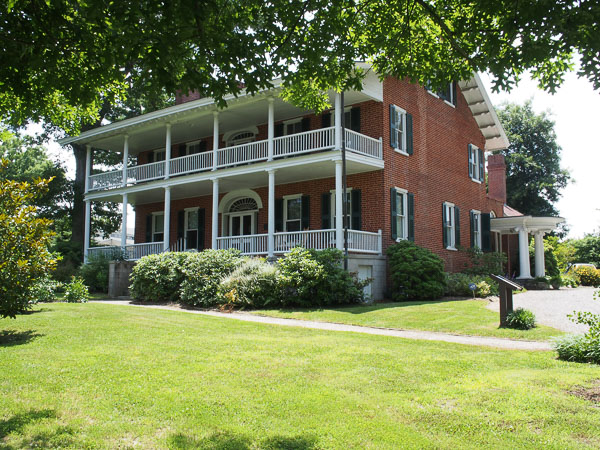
16, 423
222, 441
9, 338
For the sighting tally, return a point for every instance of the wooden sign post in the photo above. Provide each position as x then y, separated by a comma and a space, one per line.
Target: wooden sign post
506, 296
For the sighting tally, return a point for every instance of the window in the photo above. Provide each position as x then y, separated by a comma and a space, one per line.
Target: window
292, 127
476, 164
476, 229
158, 224
401, 215
448, 93
241, 138
160, 155
348, 221
191, 228
191, 148
398, 128
451, 224
293, 213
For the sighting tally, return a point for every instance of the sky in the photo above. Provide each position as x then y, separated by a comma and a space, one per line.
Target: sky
574, 108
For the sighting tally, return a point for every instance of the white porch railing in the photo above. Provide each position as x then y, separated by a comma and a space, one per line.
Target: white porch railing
300, 143
364, 242
317, 239
252, 244
137, 251
108, 252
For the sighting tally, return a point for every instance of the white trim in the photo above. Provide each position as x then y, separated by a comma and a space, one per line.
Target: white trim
477, 164
156, 214
451, 208
286, 198
402, 112
404, 194
232, 196
228, 134
292, 122
449, 104
478, 238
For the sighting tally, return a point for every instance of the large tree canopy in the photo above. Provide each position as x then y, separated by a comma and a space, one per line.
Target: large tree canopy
62, 59
534, 177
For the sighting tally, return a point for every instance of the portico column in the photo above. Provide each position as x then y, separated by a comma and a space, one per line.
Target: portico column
339, 233
271, 128
125, 158
124, 222
168, 152
271, 220
525, 272
86, 234
215, 213
88, 167
167, 219
540, 263
338, 121
215, 139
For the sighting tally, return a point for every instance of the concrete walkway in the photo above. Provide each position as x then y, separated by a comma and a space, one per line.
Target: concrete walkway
507, 344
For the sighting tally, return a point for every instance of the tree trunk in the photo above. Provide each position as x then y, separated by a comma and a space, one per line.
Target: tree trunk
78, 215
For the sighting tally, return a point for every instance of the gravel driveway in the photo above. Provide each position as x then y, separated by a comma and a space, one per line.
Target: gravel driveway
551, 307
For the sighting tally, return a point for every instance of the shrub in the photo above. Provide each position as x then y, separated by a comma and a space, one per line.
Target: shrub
588, 276
95, 271
76, 291
415, 272
577, 348
484, 263
483, 289
520, 319
570, 280
157, 278
202, 274
457, 285
44, 290
253, 284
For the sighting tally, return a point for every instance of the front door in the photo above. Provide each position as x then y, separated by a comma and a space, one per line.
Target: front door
242, 224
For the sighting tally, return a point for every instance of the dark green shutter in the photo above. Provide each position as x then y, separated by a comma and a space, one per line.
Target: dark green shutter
410, 198
454, 91
278, 214
326, 211
393, 213
356, 209
278, 130
150, 157
149, 228
326, 120
306, 124
444, 220
409, 134
486, 233
201, 228
180, 224
355, 119
305, 212
456, 227
470, 168
472, 227
393, 142
481, 165
203, 146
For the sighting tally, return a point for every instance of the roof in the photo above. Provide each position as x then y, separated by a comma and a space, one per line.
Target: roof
509, 211
511, 224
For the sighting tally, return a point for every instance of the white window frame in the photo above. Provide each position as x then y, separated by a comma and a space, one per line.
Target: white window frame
475, 163
402, 232
157, 152
186, 224
286, 199
231, 142
191, 144
436, 95
348, 212
154, 216
477, 230
451, 219
292, 122
402, 149
347, 116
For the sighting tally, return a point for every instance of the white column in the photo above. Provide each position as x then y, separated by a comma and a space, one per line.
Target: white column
215, 213
339, 232
168, 152
271, 220
215, 139
540, 263
88, 166
338, 121
124, 222
86, 234
125, 158
271, 128
167, 219
525, 272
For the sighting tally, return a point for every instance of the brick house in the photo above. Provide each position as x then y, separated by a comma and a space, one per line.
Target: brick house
264, 176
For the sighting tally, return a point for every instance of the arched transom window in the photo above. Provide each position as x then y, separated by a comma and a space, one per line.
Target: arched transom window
243, 204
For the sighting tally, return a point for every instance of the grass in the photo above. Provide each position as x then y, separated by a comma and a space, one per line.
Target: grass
107, 376
469, 317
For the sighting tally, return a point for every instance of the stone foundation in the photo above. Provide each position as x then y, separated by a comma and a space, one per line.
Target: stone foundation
118, 278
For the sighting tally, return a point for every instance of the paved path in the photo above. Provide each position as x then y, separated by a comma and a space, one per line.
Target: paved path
508, 344
551, 307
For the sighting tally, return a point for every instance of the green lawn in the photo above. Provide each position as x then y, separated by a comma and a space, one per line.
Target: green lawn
450, 316
108, 376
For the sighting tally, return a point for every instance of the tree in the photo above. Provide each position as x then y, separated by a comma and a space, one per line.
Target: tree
587, 250
64, 59
24, 255
534, 177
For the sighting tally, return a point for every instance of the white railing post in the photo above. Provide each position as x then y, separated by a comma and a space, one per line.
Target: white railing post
125, 158
339, 220
167, 219
168, 152
215, 139
379, 242
338, 120
215, 213
88, 167
271, 221
271, 128
86, 233
380, 153
124, 222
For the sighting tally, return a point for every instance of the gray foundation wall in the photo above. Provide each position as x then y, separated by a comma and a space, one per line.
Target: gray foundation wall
377, 266
118, 278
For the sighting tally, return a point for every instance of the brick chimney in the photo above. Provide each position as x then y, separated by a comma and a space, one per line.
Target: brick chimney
184, 98
497, 177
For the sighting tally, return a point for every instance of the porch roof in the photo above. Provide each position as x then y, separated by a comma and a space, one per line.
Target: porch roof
509, 225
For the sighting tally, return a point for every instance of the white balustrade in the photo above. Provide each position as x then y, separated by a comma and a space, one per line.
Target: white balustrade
307, 141
365, 145
105, 180
243, 153
191, 163
110, 252
252, 244
364, 242
146, 172
137, 251
317, 239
